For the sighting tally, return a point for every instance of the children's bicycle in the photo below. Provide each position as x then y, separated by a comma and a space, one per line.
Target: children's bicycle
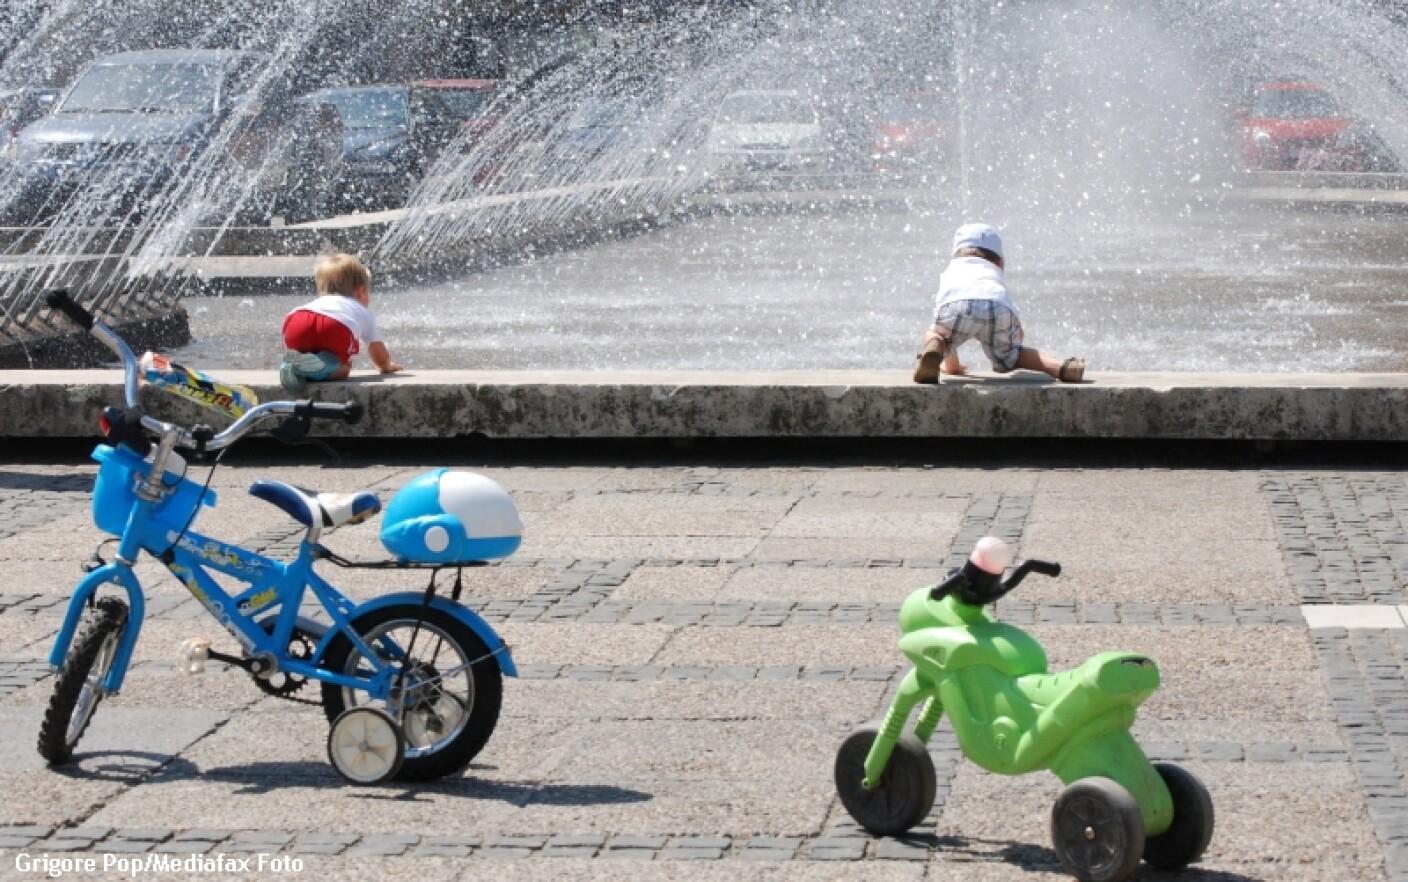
411, 681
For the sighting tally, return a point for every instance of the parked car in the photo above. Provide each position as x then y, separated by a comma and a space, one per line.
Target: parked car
133, 122
19, 108
469, 99
598, 126
767, 129
1294, 125
910, 132
391, 136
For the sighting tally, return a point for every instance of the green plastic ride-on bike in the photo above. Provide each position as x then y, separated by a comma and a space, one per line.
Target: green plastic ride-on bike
1012, 716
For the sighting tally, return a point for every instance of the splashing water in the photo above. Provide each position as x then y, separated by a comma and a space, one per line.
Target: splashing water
1100, 137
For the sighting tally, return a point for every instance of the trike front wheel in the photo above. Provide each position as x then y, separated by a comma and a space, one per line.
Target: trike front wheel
905, 792
78, 686
450, 701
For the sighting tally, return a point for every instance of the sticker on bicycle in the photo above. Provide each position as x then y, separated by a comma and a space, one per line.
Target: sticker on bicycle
156, 370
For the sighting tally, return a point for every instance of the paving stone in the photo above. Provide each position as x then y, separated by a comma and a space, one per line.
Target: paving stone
837, 849
424, 850
652, 842
384, 844
637, 673
71, 844
125, 846
686, 673
194, 846
1218, 750
81, 832
16, 842
1278, 752
780, 672
570, 851
901, 850
214, 834
1164, 751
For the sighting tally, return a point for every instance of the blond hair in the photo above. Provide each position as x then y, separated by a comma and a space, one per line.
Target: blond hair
337, 272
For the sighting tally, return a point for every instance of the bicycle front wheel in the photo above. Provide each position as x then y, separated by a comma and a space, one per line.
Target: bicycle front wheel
450, 699
78, 686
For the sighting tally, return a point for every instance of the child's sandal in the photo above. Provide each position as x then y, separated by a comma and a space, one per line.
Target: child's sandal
931, 360
1072, 370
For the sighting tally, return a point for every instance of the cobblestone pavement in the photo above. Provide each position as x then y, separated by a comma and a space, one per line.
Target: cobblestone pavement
694, 643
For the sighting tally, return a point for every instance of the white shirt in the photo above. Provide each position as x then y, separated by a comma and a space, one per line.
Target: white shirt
973, 278
356, 317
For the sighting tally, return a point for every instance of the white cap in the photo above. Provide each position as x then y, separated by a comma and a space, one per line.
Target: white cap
977, 236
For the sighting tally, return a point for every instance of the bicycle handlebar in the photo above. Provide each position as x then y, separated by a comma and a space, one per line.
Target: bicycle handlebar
350, 413
63, 303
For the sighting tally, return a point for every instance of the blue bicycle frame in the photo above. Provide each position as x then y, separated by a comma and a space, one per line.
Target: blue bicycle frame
272, 585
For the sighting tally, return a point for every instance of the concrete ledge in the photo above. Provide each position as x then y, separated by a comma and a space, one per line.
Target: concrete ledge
797, 404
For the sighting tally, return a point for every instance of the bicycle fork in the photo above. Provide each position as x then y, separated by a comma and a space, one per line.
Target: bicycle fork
122, 575
911, 692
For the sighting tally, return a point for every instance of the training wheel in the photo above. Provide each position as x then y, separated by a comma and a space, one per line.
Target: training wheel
366, 746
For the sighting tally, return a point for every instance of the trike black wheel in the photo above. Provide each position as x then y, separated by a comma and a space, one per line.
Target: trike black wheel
454, 687
905, 792
1188, 836
1097, 830
77, 688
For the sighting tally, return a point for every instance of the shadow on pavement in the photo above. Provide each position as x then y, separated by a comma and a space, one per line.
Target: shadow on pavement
272, 777
1038, 859
10, 480
124, 766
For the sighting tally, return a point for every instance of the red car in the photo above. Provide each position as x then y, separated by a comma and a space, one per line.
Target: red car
1295, 125
910, 132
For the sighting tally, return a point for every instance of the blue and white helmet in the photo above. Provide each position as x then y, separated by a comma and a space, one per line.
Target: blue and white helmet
446, 517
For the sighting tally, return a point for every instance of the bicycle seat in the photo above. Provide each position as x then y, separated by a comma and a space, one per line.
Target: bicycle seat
309, 506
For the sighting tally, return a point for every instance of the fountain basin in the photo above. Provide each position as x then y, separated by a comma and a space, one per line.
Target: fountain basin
782, 404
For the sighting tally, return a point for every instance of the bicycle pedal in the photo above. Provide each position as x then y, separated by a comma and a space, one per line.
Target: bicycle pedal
193, 654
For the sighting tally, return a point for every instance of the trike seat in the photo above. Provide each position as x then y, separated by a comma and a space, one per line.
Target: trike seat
309, 506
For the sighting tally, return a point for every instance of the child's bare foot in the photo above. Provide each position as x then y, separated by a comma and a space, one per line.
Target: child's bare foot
953, 367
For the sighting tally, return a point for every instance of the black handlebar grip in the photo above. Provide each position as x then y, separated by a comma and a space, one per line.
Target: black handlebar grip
60, 300
1046, 568
350, 413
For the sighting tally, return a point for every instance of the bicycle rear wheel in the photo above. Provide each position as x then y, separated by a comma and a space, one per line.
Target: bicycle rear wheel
450, 704
78, 686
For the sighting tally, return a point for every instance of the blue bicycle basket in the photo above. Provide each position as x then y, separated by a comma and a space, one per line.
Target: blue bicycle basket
445, 517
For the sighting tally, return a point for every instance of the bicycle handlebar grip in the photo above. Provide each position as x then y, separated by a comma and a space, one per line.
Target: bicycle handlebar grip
60, 300
350, 413
1046, 568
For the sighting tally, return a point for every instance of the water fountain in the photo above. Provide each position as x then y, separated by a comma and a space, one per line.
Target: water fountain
1099, 136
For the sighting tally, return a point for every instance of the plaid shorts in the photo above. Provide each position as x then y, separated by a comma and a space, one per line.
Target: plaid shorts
996, 328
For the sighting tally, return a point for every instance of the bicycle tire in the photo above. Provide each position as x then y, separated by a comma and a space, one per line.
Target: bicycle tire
457, 751
95, 645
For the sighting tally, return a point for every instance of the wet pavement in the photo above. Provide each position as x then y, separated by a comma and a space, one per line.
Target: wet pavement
1194, 285
696, 640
